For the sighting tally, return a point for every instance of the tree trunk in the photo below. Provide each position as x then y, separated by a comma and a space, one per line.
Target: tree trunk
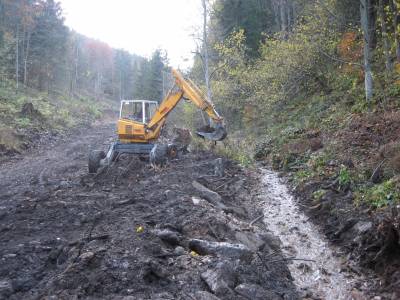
17, 57
205, 49
365, 10
386, 45
28, 42
283, 12
76, 65
276, 9
289, 14
396, 17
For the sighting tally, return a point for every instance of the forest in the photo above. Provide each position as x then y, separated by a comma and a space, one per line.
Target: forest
293, 77
38, 51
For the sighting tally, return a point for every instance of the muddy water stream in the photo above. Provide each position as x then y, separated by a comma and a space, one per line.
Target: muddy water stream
321, 275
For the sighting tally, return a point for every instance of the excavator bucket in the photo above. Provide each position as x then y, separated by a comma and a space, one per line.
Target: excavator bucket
217, 133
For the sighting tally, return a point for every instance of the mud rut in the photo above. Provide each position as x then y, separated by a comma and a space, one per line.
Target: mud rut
132, 232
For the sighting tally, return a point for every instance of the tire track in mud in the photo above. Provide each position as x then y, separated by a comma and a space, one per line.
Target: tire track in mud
323, 274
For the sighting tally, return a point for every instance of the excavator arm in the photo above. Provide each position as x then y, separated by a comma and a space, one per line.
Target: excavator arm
188, 90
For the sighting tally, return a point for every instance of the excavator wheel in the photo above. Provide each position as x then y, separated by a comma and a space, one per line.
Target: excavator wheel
95, 156
172, 151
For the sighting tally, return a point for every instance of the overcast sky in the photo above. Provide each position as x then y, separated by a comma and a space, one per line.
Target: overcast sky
139, 26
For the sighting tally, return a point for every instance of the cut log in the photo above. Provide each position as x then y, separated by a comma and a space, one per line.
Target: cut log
228, 250
211, 196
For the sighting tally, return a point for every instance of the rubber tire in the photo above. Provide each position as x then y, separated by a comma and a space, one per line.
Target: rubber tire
172, 151
95, 157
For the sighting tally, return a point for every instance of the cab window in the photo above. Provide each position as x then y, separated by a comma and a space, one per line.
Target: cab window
132, 111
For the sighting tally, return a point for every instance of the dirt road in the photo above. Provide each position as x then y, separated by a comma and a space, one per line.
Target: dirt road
133, 232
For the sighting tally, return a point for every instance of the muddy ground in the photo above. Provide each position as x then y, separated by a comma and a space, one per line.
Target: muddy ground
132, 232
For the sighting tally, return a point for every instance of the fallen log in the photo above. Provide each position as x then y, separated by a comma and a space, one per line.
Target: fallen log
211, 196
233, 251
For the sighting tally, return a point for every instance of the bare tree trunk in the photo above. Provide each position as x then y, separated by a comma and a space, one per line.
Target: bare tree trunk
205, 49
17, 57
283, 12
365, 9
386, 45
396, 17
121, 96
289, 14
28, 42
276, 8
76, 65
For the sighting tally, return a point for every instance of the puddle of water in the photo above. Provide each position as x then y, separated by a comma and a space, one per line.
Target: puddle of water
322, 277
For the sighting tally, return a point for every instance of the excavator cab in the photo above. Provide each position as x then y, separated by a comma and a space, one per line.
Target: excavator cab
140, 111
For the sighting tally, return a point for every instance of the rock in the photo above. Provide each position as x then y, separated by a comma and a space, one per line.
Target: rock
272, 241
255, 292
353, 229
235, 188
251, 240
23, 284
170, 195
211, 196
86, 257
203, 295
196, 200
233, 251
363, 226
6, 289
239, 211
153, 272
168, 236
220, 280
179, 251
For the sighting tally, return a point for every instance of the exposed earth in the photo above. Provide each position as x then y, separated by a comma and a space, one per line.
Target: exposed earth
132, 232
189, 230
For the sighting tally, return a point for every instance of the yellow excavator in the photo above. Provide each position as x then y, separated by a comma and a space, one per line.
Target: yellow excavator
141, 121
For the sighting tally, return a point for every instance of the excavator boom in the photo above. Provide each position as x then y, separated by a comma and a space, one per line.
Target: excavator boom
186, 89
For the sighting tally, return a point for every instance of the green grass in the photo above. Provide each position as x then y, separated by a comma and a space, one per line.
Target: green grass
379, 195
56, 113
